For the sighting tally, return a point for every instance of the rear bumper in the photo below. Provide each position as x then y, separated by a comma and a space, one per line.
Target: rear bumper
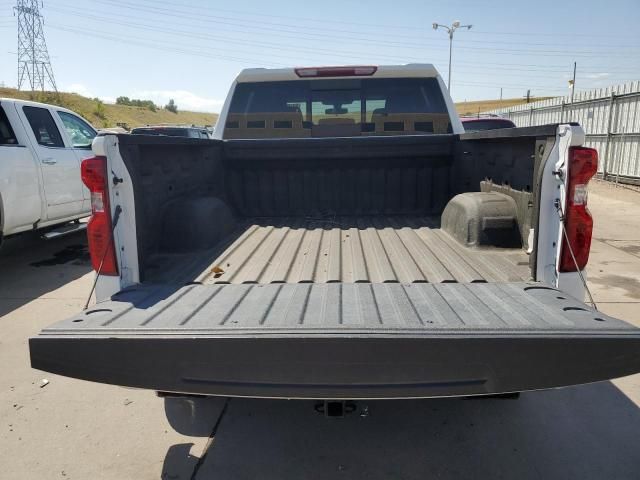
263, 345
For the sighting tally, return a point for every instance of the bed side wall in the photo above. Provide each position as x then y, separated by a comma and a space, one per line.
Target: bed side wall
177, 182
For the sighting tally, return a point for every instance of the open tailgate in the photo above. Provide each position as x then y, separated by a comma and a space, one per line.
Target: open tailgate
340, 340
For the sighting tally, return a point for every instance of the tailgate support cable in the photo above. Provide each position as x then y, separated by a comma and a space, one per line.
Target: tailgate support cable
573, 257
116, 217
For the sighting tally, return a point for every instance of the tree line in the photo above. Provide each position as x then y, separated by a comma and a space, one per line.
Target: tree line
148, 104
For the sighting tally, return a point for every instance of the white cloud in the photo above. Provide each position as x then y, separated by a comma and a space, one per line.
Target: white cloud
184, 99
80, 89
597, 76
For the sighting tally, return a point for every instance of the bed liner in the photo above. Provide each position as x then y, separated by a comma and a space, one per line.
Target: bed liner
338, 340
326, 249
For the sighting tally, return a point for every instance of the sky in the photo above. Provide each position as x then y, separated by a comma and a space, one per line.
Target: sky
191, 51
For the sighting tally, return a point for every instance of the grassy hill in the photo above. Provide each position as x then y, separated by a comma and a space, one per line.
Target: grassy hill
108, 115
478, 106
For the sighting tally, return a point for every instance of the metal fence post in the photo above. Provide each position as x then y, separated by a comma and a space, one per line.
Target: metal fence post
605, 162
531, 116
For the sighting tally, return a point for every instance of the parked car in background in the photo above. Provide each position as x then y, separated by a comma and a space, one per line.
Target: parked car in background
41, 147
113, 130
476, 124
173, 131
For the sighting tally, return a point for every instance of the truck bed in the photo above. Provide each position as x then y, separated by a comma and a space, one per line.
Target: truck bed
317, 268
331, 249
357, 340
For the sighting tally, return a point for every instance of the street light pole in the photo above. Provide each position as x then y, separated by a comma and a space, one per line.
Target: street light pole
573, 82
450, 55
451, 30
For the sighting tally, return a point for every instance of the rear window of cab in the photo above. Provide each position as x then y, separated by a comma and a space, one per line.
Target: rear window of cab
337, 108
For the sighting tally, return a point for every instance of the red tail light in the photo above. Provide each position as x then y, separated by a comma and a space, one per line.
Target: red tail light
361, 71
583, 164
99, 229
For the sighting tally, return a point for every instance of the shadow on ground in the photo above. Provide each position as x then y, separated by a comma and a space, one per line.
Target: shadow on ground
31, 267
179, 463
586, 432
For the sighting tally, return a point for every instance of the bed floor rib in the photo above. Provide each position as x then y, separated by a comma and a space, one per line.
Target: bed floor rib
341, 309
358, 250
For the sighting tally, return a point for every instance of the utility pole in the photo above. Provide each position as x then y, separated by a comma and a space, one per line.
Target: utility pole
34, 64
573, 82
528, 96
451, 30
500, 93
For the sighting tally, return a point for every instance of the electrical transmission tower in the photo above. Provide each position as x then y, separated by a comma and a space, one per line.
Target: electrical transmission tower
34, 64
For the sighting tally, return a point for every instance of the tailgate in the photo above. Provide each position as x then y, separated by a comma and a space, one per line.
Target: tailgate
339, 340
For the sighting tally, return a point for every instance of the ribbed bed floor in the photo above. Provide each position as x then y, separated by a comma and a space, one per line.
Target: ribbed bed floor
359, 249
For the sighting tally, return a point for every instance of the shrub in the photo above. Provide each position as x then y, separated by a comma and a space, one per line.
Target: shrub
134, 102
171, 106
99, 110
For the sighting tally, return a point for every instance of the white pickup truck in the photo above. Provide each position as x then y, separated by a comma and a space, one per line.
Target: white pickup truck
41, 148
341, 238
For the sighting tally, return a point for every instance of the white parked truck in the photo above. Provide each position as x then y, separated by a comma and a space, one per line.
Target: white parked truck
341, 238
41, 148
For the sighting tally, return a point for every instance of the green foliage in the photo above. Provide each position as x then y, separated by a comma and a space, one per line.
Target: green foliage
134, 102
171, 106
99, 110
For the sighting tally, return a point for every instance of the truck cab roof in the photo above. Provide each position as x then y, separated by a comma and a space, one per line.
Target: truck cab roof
21, 102
412, 70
